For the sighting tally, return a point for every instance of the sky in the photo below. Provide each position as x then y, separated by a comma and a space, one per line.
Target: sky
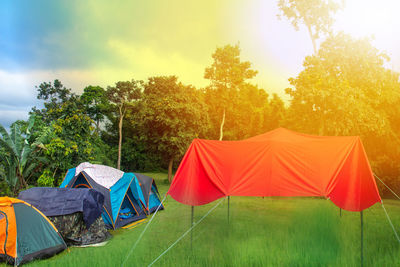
100, 42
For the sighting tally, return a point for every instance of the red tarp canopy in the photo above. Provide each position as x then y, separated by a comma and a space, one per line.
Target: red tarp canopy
277, 163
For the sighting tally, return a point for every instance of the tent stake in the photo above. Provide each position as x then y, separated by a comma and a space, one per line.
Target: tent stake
362, 238
191, 232
340, 212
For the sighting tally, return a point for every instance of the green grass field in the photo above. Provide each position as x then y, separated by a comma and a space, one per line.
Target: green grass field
262, 232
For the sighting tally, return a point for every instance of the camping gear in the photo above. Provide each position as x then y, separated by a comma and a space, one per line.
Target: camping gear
150, 192
124, 201
25, 233
75, 232
277, 163
75, 212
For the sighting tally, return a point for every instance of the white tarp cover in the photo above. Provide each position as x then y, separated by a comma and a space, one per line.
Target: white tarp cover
103, 175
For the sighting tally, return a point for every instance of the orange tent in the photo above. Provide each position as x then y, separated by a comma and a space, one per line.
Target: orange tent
25, 233
277, 163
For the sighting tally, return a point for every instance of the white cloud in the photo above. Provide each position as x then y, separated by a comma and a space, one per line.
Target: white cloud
7, 117
16, 89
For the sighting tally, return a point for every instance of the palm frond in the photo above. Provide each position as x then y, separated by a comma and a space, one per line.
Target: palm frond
31, 122
6, 141
11, 177
29, 168
17, 139
7, 148
26, 153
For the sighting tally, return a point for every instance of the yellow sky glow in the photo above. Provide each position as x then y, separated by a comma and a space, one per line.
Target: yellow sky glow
377, 19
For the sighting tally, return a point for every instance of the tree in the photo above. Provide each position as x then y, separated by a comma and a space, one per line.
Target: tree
55, 93
227, 74
345, 89
345, 82
54, 96
277, 112
121, 96
250, 114
172, 115
316, 15
17, 155
96, 104
67, 140
65, 128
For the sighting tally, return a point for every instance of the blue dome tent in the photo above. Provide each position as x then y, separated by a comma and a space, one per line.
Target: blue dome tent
124, 201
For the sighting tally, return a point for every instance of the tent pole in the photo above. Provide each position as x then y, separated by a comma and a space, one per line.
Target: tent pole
191, 232
228, 207
340, 212
362, 237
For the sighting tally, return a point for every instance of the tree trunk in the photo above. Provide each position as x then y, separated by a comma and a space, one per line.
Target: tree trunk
22, 183
312, 39
54, 174
97, 119
121, 118
97, 126
171, 161
221, 128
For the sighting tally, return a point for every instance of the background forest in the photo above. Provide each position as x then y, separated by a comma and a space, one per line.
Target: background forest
344, 88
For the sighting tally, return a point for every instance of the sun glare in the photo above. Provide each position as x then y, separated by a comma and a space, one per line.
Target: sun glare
370, 18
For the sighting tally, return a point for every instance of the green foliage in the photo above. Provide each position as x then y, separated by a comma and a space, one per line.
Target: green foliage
4, 185
171, 115
277, 112
121, 96
227, 75
246, 107
17, 155
102, 152
124, 92
55, 96
136, 156
65, 130
46, 179
345, 82
227, 71
55, 93
316, 15
70, 143
96, 103
5, 189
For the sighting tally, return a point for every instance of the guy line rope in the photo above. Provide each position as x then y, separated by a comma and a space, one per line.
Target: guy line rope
184, 234
383, 206
144, 230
